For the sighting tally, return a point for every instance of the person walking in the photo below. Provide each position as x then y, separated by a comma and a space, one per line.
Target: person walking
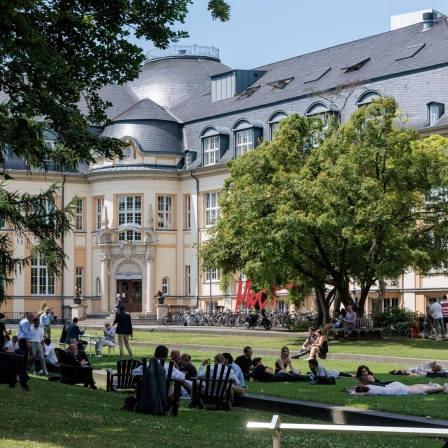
124, 331
45, 321
437, 315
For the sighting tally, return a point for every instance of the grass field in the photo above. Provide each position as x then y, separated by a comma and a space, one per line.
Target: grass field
433, 406
56, 416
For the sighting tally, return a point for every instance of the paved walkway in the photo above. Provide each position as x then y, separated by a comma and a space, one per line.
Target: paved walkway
274, 333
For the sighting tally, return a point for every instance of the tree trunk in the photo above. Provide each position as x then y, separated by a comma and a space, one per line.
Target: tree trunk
324, 301
382, 286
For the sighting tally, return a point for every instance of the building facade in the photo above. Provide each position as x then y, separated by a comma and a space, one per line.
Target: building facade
139, 220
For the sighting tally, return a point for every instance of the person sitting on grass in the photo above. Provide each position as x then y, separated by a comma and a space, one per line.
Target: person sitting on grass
428, 330
306, 346
186, 367
430, 367
49, 354
318, 372
283, 361
414, 330
245, 362
320, 346
366, 375
397, 388
266, 374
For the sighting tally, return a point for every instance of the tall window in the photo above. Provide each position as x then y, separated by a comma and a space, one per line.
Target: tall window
281, 305
213, 275
98, 287
389, 303
44, 210
211, 150
129, 210
188, 212
129, 213
165, 212
99, 205
187, 280
41, 281
79, 280
211, 208
244, 141
165, 286
79, 215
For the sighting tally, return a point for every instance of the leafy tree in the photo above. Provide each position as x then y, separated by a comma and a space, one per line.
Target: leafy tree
368, 201
56, 55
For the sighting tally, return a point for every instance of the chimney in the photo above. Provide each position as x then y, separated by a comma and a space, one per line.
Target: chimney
428, 20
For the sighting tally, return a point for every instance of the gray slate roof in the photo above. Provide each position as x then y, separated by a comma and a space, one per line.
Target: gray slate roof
383, 50
145, 109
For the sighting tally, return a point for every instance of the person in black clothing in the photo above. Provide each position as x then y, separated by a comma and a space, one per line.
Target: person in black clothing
124, 331
70, 359
81, 355
245, 362
186, 367
266, 374
63, 337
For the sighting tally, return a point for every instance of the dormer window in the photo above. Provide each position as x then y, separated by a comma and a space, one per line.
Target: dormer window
280, 84
190, 157
215, 141
324, 113
246, 93
355, 65
247, 134
127, 153
274, 122
435, 111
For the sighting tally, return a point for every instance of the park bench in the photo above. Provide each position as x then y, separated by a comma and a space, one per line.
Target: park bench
71, 373
9, 368
363, 325
212, 390
123, 378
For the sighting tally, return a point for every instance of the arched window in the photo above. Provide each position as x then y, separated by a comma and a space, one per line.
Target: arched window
368, 97
165, 286
435, 111
247, 133
324, 113
215, 142
274, 121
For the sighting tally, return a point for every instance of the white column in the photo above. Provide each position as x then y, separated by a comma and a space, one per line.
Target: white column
149, 307
105, 282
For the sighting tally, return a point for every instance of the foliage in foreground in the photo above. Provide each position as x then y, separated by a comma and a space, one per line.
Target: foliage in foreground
59, 416
364, 203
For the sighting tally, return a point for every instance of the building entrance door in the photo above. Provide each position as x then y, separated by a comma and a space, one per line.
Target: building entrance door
131, 293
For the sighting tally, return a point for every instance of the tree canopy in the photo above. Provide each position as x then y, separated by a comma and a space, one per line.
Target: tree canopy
55, 55
363, 202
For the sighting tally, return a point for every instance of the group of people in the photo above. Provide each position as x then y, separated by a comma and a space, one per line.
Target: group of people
186, 372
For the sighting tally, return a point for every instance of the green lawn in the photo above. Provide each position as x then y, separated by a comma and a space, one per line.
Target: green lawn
419, 405
406, 348
56, 416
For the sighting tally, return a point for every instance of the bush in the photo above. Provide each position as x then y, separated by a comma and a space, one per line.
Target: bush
396, 322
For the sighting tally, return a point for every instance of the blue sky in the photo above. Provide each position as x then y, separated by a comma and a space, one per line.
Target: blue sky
265, 31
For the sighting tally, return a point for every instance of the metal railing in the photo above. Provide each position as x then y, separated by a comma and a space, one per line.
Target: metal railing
276, 427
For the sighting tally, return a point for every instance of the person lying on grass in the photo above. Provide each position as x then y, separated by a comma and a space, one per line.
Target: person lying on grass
397, 388
266, 374
430, 367
366, 377
318, 371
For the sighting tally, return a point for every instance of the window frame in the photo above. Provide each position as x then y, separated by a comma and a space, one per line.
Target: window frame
166, 286
188, 212
131, 214
274, 122
212, 275
438, 108
164, 215
99, 201
211, 208
211, 151
39, 272
79, 215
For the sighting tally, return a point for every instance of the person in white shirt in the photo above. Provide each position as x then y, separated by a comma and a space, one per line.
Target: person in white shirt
8, 347
219, 365
161, 354
436, 312
37, 342
50, 355
108, 340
